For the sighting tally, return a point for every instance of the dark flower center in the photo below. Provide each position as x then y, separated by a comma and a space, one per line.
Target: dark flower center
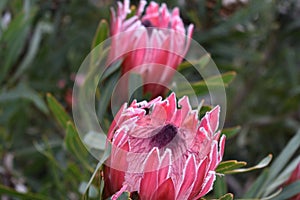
164, 136
146, 23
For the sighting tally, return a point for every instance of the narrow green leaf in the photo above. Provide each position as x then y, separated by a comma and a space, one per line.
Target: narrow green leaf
58, 111
95, 140
284, 157
134, 83
111, 69
201, 87
256, 186
272, 195
227, 196
75, 146
105, 95
92, 192
289, 191
41, 28
103, 159
12, 193
202, 62
101, 33
227, 166
220, 187
203, 110
259, 189
101, 187
22, 91
53, 165
215, 80
14, 38
45, 150
230, 132
263, 163
283, 176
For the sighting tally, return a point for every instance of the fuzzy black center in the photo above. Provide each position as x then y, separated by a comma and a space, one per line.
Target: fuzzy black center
164, 136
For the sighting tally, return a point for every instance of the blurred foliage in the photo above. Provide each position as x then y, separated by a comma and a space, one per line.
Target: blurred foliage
43, 42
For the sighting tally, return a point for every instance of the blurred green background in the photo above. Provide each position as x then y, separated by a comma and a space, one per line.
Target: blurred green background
43, 42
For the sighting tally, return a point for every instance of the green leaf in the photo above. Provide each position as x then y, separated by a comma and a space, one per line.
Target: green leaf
220, 187
93, 192
263, 163
41, 28
58, 111
202, 62
214, 81
261, 187
284, 157
22, 91
112, 68
227, 166
75, 146
13, 41
53, 164
284, 176
289, 191
272, 195
230, 132
95, 140
105, 95
101, 33
99, 165
227, 196
201, 87
134, 86
12, 193
260, 181
204, 110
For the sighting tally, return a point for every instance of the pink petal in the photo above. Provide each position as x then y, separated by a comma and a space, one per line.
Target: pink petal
165, 191
213, 118
221, 148
116, 177
185, 106
115, 122
213, 156
141, 7
172, 106
149, 181
201, 172
165, 16
189, 38
207, 185
165, 166
205, 125
189, 175
159, 114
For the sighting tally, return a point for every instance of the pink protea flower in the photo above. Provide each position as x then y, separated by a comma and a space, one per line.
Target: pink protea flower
295, 176
156, 40
161, 151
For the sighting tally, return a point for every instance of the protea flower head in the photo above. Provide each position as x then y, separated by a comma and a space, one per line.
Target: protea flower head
156, 40
162, 151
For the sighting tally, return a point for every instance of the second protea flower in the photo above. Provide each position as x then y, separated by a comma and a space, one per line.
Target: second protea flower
162, 151
152, 42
